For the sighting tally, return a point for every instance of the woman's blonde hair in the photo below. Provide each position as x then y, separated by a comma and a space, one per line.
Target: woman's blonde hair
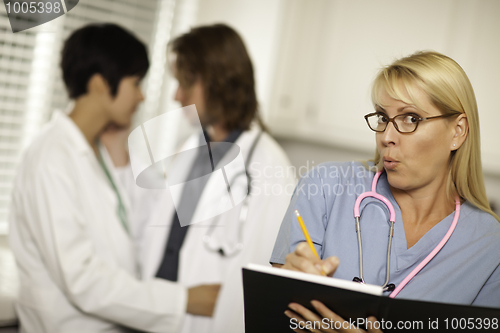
449, 89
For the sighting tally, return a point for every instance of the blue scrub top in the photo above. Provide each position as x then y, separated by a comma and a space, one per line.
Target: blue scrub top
465, 271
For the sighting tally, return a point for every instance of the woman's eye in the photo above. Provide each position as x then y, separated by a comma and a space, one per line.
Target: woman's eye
410, 119
382, 119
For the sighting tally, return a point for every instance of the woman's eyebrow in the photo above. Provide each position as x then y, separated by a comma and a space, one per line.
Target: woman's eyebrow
379, 108
403, 108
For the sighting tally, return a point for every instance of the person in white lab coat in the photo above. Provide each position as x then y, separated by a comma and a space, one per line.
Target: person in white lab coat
69, 220
215, 73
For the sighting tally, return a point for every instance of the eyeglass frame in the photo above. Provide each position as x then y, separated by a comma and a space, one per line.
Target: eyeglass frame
391, 120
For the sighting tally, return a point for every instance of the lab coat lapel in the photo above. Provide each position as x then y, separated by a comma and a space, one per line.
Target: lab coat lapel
157, 234
156, 239
210, 268
98, 183
215, 198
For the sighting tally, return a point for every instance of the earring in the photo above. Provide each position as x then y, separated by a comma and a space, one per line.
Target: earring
454, 145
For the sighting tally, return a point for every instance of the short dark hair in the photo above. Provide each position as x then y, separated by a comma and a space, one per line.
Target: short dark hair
217, 55
105, 49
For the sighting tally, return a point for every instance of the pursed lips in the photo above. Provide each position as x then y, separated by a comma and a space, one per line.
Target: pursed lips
390, 163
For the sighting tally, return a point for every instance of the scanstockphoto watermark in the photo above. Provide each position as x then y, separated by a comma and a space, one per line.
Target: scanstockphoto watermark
325, 170
430, 324
310, 190
229, 180
264, 180
330, 324
220, 183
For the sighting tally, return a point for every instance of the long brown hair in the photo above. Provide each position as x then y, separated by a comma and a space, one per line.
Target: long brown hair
217, 55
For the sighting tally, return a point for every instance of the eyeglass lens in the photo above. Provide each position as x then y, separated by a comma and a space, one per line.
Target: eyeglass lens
405, 123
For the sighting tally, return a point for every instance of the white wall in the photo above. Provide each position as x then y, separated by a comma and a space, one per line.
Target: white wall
330, 51
314, 60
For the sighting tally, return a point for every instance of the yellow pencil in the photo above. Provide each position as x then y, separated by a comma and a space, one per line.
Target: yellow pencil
308, 238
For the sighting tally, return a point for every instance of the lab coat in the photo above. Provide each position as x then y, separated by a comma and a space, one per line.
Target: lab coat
76, 262
273, 181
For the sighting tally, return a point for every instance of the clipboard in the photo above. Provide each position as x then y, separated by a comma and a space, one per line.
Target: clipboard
269, 290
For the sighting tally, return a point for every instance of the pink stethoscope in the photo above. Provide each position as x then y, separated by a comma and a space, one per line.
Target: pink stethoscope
386, 286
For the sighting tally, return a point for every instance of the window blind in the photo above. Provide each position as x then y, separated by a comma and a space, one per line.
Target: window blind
31, 87
16, 56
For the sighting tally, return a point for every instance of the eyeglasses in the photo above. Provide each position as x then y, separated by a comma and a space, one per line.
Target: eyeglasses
403, 123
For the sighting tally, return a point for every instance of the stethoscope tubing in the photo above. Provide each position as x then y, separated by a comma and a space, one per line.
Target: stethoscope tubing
392, 219
357, 214
244, 207
373, 193
432, 254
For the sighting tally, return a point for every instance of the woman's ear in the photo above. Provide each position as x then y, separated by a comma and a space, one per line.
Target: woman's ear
461, 131
98, 85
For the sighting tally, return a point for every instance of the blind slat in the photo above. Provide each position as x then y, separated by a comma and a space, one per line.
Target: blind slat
17, 55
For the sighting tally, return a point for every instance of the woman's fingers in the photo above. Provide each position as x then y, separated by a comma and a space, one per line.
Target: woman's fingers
297, 323
304, 260
304, 250
337, 322
326, 312
334, 320
330, 265
304, 320
309, 320
371, 325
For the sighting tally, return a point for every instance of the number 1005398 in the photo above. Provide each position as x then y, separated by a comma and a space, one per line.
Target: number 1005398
33, 7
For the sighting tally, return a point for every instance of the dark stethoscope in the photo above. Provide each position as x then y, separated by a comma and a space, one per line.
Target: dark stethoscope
228, 250
392, 219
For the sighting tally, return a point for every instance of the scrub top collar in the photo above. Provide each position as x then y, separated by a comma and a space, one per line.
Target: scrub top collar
407, 257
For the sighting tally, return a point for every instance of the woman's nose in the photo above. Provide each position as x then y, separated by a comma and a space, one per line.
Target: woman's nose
389, 136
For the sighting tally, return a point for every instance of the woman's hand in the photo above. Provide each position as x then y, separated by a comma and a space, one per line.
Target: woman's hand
304, 260
307, 321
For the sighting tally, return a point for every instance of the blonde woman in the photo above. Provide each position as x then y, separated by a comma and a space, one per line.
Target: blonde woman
446, 243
